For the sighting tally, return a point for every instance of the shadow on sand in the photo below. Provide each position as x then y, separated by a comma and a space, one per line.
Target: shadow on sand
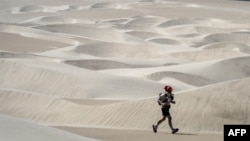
186, 134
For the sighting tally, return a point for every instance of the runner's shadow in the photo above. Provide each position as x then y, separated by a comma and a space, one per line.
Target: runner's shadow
185, 134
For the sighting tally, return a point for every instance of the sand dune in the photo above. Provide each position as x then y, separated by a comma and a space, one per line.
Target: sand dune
13, 129
29, 8
145, 20
177, 22
91, 32
222, 37
110, 6
48, 20
228, 45
205, 102
197, 74
24, 44
143, 34
114, 50
14, 55
213, 53
77, 81
38, 8
32, 33
101, 64
93, 67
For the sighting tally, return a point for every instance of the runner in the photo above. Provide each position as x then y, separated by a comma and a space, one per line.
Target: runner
165, 100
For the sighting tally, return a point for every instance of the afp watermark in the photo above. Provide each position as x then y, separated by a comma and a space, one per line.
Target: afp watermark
236, 132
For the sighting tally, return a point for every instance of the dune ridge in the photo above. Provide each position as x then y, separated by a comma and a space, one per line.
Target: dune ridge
208, 106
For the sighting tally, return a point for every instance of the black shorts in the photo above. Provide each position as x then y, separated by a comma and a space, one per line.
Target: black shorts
165, 111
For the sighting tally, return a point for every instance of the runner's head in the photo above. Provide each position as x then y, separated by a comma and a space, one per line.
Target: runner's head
168, 89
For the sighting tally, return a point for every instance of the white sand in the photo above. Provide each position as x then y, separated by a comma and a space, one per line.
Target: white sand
13, 129
95, 68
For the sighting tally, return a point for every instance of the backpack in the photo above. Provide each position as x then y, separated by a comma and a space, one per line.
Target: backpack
161, 95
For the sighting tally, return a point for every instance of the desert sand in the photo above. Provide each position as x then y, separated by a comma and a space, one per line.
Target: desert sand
92, 70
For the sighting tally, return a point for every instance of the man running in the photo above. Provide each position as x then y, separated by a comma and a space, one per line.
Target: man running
165, 100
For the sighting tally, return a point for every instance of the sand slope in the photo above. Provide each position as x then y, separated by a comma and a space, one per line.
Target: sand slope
13, 129
73, 81
215, 104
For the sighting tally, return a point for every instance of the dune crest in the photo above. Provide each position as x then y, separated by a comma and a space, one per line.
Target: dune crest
204, 102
